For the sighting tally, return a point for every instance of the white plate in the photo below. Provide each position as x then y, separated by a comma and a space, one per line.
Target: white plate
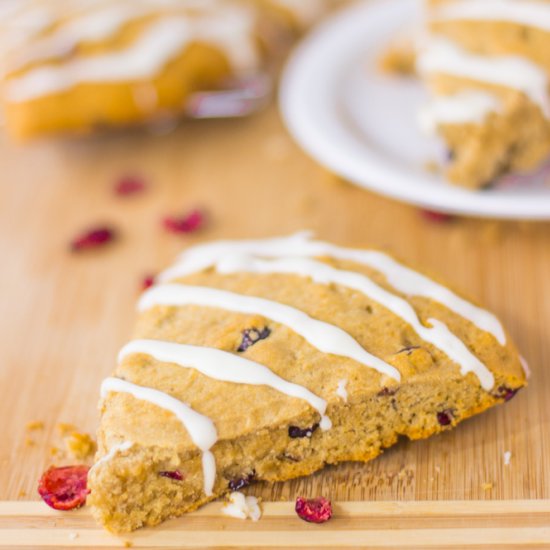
362, 125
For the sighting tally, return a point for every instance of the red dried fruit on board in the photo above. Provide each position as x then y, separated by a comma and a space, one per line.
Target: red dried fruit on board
93, 238
445, 417
434, 216
129, 185
147, 282
64, 488
314, 510
176, 475
185, 224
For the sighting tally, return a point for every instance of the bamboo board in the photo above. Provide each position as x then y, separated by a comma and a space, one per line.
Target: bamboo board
523, 524
65, 316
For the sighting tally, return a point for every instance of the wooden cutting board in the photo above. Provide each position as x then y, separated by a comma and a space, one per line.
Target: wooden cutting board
64, 316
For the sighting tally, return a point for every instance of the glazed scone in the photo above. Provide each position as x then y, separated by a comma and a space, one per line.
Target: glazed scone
268, 359
487, 65
85, 65
81, 65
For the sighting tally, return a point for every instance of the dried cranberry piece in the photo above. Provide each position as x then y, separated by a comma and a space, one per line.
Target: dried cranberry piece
240, 482
147, 282
445, 417
64, 488
172, 474
438, 217
295, 432
251, 336
93, 238
506, 393
408, 350
185, 224
129, 185
386, 391
314, 510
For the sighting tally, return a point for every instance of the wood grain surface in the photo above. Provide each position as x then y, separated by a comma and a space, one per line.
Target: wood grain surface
389, 525
64, 316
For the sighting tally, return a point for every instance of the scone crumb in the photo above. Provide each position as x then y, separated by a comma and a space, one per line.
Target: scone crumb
80, 445
29, 442
487, 486
242, 507
507, 457
73, 536
128, 544
65, 429
22, 493
399, 59
432, 166
54, 451
35, 425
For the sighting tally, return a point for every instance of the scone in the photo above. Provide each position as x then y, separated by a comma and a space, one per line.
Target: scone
268, 359
78, 66
487, 63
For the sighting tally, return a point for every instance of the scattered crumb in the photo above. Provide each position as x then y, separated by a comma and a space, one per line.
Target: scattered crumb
128, 544
80, 445
242, 507
29, 442
73, 536
432, 167
507, 457
22, 493
438, 469
65, 429
399, 58
341, 389
35, 425
54, 451
486, 486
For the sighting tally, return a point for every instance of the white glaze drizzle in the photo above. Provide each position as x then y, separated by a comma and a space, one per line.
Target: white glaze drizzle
341, 390
200, 428
224, 366
467, 106
324, 336
438, 334
91, 27
515, 72
523, 12
402, 278
114, 450
525, 367
158, 44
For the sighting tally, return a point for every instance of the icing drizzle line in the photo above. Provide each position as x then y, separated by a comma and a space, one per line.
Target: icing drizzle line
438, 334
402, 278
158, 44
515, 72
324, 336
225, 366
200, 428
523, 12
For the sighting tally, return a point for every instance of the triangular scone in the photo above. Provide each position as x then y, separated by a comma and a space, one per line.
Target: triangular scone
487, 64
267, 359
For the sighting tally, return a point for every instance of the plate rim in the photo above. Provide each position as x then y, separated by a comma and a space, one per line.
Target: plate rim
393, 182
